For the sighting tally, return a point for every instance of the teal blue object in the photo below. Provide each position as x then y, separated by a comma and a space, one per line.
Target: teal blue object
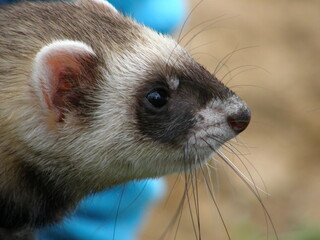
164, 16
115, 214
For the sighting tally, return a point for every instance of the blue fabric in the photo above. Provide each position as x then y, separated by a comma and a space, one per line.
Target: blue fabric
162, 15
115, 214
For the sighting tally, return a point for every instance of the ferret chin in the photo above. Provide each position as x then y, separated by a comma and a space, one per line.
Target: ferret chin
90, 99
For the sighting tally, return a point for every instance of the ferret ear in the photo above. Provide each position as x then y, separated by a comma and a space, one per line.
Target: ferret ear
97, 4
63, 72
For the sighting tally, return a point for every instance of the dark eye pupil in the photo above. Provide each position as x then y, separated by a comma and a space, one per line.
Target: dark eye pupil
158, 97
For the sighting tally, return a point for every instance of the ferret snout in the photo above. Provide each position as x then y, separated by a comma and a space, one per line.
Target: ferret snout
239, 121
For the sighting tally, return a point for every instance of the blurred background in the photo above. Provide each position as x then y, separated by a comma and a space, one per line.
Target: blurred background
275, 68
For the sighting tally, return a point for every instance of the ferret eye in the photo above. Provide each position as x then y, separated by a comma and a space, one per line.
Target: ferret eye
158, 97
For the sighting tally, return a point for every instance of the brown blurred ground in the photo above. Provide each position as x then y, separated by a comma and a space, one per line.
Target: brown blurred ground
283, 140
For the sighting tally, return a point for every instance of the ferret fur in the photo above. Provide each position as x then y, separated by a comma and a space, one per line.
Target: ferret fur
67, 133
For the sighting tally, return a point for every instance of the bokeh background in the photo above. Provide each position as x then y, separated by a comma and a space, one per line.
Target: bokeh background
276, 69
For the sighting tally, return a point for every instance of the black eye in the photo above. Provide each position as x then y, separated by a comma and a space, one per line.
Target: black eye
158, 97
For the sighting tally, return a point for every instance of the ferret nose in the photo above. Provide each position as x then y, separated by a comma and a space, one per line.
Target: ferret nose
239, 122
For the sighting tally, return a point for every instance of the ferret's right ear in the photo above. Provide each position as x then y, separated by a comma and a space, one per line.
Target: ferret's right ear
97, 4
63, 73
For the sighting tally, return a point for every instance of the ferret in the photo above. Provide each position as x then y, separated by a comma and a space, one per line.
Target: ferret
90, 99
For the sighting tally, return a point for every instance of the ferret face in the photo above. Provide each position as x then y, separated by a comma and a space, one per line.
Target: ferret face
114, 101
186, 110
91, 99
174, 110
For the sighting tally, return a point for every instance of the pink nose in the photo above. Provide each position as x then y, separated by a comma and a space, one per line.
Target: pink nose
239, 121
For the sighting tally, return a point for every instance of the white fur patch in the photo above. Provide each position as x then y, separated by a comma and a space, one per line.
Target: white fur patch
173, 83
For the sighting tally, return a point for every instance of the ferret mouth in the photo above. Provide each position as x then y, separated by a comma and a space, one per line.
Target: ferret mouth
207, 142
204, 148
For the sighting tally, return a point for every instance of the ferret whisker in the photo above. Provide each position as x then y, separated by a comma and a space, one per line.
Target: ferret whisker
178, 214
236, 141
216, 169
194, 220
254, 185
211, 194
217, 179
211, 56
191, 216
226, 147
246, 85
172, 188
231, 149
250, 180
187, 19
196, 200
178, 224
124, 209
252, 189
186, 194
204, 53
224, 144
209, 167
257, 195
254, 168
117, 212
198, 204
200, 46
180, 32
176, 217
254, 67
238, 153
210, 189
136, 197
247, 67
223, 61
235, 144
228, 56
203, 30
196, 194
199, 25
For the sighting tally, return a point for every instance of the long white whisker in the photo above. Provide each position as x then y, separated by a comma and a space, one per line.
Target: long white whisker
211, 193
236, 152
253, 189
235, 168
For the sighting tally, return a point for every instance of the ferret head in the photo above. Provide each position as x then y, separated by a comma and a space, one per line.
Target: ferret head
127, 104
